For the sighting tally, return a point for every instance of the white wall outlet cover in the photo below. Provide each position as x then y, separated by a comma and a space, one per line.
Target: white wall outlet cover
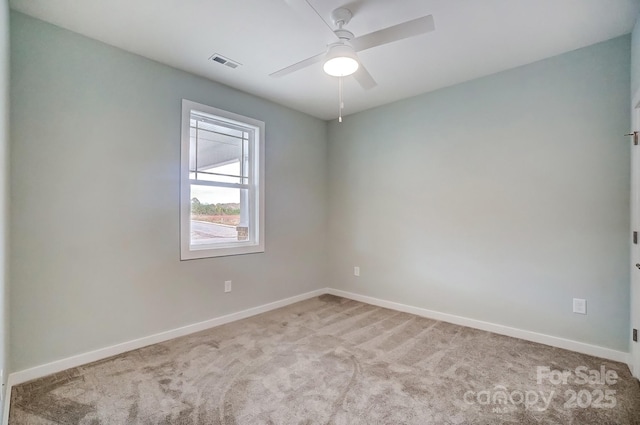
227, 286
356, 271
579, 306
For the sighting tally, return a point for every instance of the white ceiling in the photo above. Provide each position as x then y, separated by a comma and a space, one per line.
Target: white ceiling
472, 38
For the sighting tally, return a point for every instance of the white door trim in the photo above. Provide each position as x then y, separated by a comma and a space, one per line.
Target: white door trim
634, 204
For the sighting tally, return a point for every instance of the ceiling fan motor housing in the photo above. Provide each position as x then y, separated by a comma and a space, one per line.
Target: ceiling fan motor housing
341, 16
343, 34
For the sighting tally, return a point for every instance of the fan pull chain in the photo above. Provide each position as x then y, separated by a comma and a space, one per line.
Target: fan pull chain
340, 102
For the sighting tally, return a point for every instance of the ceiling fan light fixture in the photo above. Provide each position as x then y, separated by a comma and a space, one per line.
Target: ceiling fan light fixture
341, 60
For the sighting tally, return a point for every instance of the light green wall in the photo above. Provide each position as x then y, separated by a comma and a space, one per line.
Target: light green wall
635, 57
95, 189
4, 143
500, 199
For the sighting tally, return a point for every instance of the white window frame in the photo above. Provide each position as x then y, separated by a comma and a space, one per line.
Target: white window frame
255, 243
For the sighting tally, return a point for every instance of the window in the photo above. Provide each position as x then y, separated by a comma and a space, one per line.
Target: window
222, 183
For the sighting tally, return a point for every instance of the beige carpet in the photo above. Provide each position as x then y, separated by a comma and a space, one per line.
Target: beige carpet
330, 360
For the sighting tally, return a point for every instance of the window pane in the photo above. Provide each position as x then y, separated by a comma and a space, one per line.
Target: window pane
225, 173
214, 149
218, 153
213, 125
218, 215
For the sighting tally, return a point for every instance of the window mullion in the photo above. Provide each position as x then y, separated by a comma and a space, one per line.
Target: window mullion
196, 156
219, 184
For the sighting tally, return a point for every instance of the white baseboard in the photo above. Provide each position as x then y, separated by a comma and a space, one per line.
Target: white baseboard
567, 344
6, 404
19, 377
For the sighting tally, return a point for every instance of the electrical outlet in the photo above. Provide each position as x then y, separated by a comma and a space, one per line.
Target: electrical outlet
227, 286
356, 271
635, 335
579, 306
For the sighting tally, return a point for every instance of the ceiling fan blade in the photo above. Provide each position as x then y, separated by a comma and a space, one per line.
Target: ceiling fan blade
365, 79
407, 29
300, 65
304, 9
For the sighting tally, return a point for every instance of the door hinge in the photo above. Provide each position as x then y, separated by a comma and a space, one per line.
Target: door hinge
635, 335
635, 137
635, 238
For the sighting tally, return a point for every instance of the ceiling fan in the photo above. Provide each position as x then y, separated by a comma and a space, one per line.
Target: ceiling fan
340, 58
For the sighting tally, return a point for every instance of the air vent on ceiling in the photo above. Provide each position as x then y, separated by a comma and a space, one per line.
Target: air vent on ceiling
224, 61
